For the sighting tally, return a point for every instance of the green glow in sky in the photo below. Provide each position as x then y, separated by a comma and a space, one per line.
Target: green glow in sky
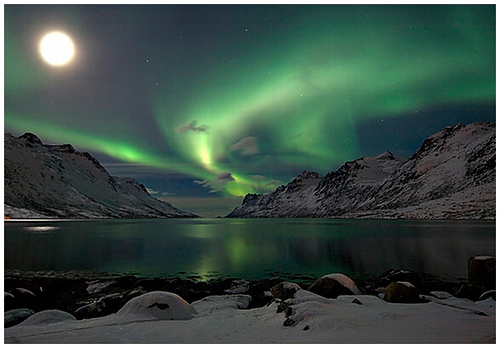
244, 105
301, 101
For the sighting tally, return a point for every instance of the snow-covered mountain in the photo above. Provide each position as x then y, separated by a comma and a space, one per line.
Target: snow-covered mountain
451, 176
57, 181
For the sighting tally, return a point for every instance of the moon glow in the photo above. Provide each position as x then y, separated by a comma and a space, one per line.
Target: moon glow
57, 48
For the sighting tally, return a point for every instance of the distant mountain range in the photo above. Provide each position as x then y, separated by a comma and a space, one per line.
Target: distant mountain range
451, 176
55, 181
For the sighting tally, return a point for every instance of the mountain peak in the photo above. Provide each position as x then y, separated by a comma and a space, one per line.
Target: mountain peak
306, 174
31, 138
385, 155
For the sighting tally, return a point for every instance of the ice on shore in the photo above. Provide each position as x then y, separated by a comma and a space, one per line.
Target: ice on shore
313, 319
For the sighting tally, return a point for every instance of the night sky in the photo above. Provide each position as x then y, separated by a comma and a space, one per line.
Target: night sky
204, 104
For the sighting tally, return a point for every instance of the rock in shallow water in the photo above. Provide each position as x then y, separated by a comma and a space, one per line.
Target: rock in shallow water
158, 305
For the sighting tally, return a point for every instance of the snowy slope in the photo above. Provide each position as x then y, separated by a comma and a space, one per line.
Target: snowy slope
452, 176
295, 199
57, 181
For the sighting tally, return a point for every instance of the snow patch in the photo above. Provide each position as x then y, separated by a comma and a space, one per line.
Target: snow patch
158, 305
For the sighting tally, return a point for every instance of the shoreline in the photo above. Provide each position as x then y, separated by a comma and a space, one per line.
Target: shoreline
70, 291
398, 306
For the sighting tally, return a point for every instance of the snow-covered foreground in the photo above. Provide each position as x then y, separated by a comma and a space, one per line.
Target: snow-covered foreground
311, 319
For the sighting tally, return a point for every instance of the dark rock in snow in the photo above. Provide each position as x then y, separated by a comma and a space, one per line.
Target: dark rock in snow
470, 291
401, 292
334, 285
284, 290
260, 291
91, 310
356, 301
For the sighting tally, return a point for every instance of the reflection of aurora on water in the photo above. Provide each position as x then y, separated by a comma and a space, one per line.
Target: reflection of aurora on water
249, 248
241, 106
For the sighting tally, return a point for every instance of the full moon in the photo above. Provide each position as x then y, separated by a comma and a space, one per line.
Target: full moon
57, 48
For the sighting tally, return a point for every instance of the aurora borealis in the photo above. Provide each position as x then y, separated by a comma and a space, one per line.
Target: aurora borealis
218, 101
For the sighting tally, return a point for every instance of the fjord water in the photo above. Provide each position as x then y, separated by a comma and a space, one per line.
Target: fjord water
247, 248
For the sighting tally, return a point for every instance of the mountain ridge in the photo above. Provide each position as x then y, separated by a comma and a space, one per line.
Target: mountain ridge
56, 181
451, 176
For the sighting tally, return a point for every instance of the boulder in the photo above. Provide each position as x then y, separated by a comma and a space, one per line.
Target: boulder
91, 310
284, 290
158, 305
96, 286
134, 293
481, 271
49, 316
25, 298
396, 275
488, 294
334, 285
260, 293
401, 292
469, 291
238, 286
107, 304
8, 301
16, 316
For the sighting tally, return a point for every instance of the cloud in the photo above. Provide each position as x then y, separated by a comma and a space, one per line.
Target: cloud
158, 193
257, 177
247, 146
218, 183
274, 183
192, 127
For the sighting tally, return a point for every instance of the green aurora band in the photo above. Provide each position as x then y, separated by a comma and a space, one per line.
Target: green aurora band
296, 100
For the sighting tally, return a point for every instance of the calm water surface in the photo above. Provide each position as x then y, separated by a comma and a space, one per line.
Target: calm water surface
247, 248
